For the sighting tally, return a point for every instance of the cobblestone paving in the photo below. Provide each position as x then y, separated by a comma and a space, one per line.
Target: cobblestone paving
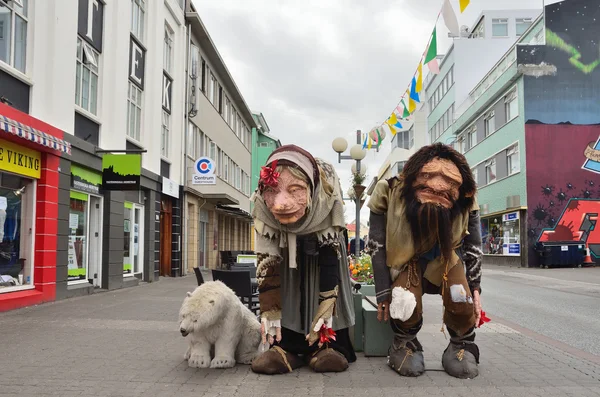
126, 343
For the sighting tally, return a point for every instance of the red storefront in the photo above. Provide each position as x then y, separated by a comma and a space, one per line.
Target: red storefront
30, 152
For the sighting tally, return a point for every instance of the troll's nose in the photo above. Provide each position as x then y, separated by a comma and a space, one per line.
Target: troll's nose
282, 201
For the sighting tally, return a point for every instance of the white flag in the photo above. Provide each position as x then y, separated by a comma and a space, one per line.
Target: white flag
450, 18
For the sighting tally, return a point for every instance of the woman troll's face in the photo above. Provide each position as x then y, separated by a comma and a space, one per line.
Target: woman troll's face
289, 199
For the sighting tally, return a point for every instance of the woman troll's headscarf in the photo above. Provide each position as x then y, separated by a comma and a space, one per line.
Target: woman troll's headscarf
325, 214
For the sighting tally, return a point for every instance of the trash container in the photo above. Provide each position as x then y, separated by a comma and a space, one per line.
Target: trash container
560, 253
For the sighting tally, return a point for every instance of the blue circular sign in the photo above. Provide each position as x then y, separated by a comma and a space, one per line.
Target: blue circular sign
204, 166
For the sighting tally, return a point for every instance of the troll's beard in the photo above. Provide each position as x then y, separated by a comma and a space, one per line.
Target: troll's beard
431, 223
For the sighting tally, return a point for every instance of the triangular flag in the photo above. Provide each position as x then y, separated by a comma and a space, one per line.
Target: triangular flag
450, 18
412, 106
399, 108
420, 78
392, 119
434, 66
378, 138
463, 5
370, 143
405, 112
413, 90
365, 142
432, 50
397, 125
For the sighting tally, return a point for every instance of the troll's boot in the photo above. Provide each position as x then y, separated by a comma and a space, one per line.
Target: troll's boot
328, 360
461, 357
276, 361
405, 356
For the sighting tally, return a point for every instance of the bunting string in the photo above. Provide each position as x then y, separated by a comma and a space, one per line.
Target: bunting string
402, 110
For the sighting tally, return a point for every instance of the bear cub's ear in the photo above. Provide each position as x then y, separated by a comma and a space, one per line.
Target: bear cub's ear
189, 294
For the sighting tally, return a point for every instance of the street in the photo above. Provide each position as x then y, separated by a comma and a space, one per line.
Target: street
127, 343
556, 303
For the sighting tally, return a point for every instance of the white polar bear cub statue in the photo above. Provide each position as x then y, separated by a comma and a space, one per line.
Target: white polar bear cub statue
218, 321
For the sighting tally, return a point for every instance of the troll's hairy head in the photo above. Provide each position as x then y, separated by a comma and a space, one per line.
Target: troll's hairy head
437, 185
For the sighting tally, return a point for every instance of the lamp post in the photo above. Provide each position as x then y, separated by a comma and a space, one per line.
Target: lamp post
357, 153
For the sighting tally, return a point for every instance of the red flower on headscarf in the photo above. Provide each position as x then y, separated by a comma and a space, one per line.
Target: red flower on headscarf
484, 319
326, 334
268, 175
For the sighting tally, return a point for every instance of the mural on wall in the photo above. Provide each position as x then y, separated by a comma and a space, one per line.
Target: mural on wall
562, 130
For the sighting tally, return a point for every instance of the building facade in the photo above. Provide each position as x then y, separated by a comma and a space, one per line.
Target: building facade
105, 78
530, 132
263, 144
218, 151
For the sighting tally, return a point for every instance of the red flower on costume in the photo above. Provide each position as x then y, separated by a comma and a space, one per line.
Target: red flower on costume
484, 319
326, 334
268, 175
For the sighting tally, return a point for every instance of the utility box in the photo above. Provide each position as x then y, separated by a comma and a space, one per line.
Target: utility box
560, 253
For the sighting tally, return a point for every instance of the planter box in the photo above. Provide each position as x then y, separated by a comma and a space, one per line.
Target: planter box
367, 290
357, 331
378, 336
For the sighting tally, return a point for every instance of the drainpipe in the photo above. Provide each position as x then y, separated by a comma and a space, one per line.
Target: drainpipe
184, 152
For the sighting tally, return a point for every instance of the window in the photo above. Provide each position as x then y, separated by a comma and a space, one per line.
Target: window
214, 90
168, 51
512, 160
17, 206
522, 25
511, 106
86, 77
490, 171
476, 175
227, 110
226, 167
478, 31
500, 27
200, 143
209, 86
489, 124
166, 126
460, 144
191, 147
13, 33
472, 137
134, 112
138, 10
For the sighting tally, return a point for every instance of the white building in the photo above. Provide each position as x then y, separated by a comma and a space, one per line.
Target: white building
100, 77
220, 128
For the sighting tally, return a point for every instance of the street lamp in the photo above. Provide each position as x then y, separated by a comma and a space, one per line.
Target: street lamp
357, 153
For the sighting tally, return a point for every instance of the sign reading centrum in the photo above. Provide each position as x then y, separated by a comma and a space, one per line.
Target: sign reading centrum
205, 172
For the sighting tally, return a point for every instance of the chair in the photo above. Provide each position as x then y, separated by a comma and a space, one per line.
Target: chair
239, 281
248, 267
199, 277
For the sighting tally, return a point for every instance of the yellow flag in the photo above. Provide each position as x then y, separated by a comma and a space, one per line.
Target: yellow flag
419, 86
464, 4
412, 105
370, 142
392, 119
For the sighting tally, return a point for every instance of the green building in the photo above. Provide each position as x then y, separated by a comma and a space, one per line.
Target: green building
263, 144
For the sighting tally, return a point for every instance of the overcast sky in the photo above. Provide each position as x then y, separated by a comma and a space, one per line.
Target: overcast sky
319, 69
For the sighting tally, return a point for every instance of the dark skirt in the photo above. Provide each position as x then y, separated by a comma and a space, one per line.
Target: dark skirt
296, 343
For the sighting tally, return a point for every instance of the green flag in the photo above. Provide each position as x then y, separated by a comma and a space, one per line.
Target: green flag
432, 50
406, 113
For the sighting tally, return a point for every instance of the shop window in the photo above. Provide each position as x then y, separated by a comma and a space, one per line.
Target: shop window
78, 232
17, 203
501, 234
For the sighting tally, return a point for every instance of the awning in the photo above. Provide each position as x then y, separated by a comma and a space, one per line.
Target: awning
237, 212
31, 134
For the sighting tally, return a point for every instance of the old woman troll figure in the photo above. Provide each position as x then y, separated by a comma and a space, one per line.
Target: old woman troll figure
303, 282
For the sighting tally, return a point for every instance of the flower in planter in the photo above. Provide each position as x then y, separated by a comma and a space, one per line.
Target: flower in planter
361, 269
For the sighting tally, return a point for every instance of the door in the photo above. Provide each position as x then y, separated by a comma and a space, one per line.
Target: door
138, 240
95, 242
202, 244
166, 222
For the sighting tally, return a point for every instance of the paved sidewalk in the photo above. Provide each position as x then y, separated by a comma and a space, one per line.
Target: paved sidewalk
127, 343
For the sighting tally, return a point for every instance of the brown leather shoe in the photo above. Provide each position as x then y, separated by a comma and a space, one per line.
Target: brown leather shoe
276, 361
328, 360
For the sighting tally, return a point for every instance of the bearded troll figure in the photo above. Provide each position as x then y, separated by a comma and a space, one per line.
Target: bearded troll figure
303, 283
424, 232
